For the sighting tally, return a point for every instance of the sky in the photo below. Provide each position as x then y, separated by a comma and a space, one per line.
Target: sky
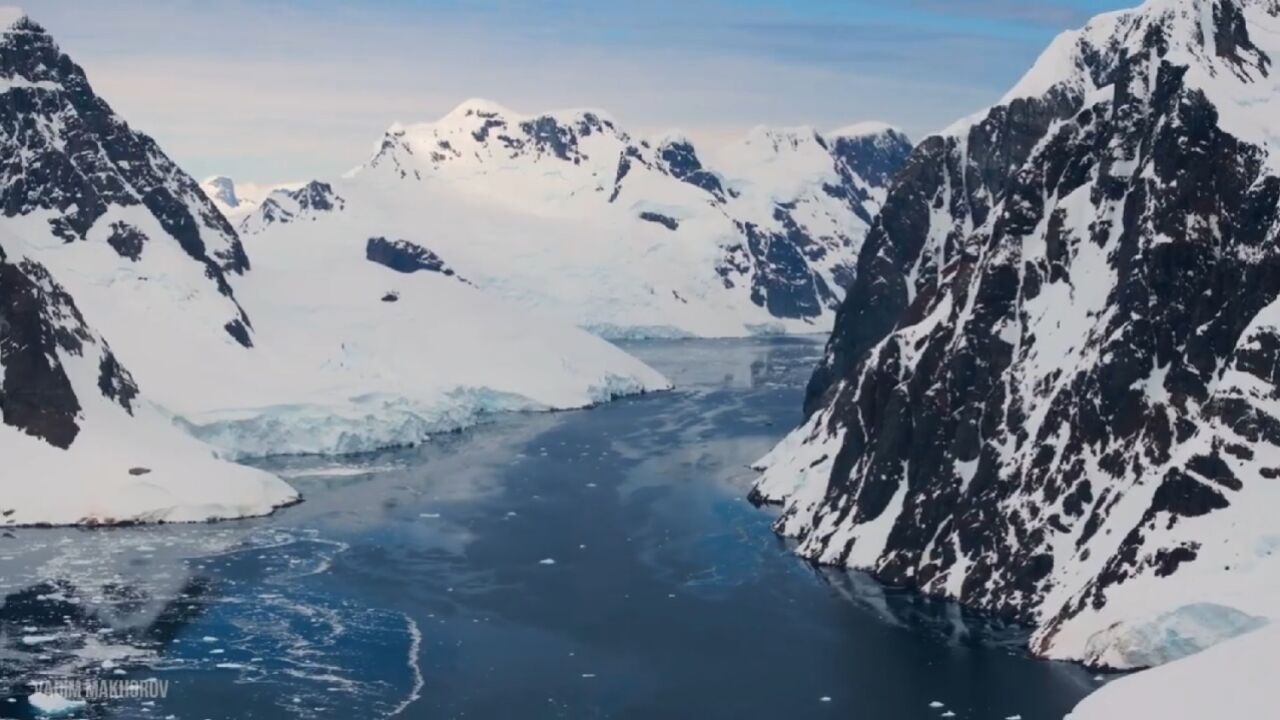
287, 90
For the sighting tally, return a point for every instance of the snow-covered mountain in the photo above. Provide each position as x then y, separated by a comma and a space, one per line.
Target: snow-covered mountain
1052, 391
642, 238
235, 200
91, 211
128, 309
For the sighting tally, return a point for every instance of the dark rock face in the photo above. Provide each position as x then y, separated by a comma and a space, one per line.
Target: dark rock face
669, 223
93, 160
548, 136
115, 382
38, 323
286, 206
127, 240
681, 161
779, 265
876, 157
239, 332
784, 282
1063, 341
405, 257
317, 196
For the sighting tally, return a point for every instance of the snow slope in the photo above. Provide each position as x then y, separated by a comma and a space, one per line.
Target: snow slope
1231, 680
1051, 391
130, 313
642, 238
79, 444
379, 356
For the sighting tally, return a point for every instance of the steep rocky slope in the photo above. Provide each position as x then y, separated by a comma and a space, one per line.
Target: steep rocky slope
1052, 390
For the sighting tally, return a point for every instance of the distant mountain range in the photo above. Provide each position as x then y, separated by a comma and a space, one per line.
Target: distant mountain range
642, 237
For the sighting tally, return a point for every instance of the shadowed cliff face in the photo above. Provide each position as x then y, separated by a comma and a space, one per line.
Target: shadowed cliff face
1059, 336
40, 327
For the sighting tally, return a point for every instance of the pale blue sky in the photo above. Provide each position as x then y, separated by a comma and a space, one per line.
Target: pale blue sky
273, 90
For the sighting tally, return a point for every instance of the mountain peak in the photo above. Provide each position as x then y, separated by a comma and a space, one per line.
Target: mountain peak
478, 107
222, 189
1212, 35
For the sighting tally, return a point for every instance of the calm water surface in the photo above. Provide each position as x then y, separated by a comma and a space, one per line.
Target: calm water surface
597, 564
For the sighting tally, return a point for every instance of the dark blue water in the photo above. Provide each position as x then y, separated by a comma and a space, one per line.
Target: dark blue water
598, 564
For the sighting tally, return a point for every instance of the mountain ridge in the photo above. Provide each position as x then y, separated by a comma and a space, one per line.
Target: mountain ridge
698, 248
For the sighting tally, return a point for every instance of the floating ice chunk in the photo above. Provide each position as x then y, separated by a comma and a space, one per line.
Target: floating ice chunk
53, 705
825, 698
39, 639
948, 714
547, 561
937, 704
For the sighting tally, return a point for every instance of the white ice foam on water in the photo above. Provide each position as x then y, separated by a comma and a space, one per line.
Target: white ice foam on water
415, 667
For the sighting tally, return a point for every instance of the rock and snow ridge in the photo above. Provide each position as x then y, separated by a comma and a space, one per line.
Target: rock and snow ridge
1053, 390
644, 238
235, 200
130, 312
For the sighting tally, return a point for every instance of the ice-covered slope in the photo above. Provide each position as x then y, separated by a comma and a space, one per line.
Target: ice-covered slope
127, 305
1053, 389
640, 237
